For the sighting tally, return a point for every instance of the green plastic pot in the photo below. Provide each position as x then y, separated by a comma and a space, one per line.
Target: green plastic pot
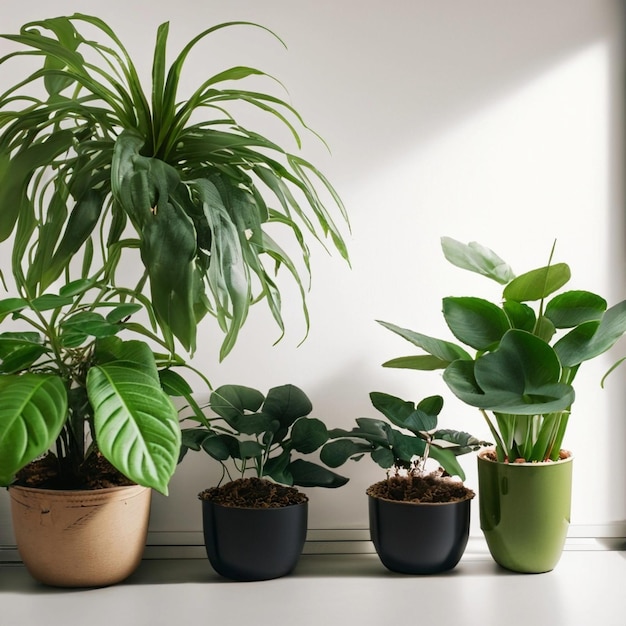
525, 512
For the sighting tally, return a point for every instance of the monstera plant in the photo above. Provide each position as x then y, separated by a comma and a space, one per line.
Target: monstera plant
134, 212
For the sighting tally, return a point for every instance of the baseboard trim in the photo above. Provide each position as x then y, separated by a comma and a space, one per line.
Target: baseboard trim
190, 545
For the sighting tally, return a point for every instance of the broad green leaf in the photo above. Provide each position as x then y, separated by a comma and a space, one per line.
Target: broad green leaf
402, 413
447, 459
136, 424
474, 321
476, 258
443, 350
572, 308
337, 452
134, 353
50, 301
431, 405
591, 339
520, 315
250, 450
89, 323
405, 447
308, 434
174, 384
521, 377
122, 311
33, 409
537, 284
287, 403
277, 468
383, 457
231, 401
11, 305
308, 474
221, 447
462, 442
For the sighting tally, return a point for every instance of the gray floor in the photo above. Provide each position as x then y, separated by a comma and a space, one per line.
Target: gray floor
586, 588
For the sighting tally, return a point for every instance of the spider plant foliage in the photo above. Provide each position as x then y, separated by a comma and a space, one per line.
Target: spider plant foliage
516, 359
91, 164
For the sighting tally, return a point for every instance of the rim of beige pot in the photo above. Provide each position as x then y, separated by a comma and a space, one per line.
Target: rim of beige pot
81, 538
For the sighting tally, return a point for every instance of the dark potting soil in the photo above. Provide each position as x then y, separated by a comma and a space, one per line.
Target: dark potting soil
253, 493
47, 473
428, 488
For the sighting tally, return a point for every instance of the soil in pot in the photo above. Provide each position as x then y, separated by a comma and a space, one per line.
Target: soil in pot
426, 488
253, 493
48, 472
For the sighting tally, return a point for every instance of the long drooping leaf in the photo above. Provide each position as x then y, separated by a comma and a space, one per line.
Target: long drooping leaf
33, 409
136, 424
439, 348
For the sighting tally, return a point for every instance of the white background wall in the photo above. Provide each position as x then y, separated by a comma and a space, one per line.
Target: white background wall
491, 120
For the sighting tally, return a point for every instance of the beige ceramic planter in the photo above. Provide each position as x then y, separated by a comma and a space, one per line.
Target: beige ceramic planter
80, 538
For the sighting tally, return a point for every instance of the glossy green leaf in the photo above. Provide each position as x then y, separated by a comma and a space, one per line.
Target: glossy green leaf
447, 459
521, 376
475, 322
572, 308
537, 284
402, 413
424, 362
33, 409
11, 305
308, 434
231, 401
443, 350
477, 258
336, 453
136, 424
308, 474
287, 403
591, 339
520, 315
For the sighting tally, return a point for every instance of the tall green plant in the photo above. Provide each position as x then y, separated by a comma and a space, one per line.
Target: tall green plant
92, 165
517, 358
132, 212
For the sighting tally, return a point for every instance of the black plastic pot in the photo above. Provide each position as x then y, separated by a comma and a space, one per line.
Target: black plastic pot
254, 544
413, 538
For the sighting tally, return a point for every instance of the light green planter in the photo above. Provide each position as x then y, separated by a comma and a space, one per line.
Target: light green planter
525, 512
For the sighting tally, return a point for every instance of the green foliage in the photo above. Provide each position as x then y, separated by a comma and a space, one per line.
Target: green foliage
390, 447
97, 168
98, 177
73, 383
265, 434
525, 358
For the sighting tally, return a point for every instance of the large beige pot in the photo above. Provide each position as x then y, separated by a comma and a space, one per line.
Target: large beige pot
80, 538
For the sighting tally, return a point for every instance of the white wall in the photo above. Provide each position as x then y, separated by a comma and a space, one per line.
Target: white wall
489, 120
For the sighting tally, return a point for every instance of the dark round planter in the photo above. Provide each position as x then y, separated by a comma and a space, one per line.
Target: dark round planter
414, 538
254, 544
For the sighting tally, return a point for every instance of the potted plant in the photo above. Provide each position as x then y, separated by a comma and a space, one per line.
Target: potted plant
117, 204
419, 517
515, 361
255, 526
